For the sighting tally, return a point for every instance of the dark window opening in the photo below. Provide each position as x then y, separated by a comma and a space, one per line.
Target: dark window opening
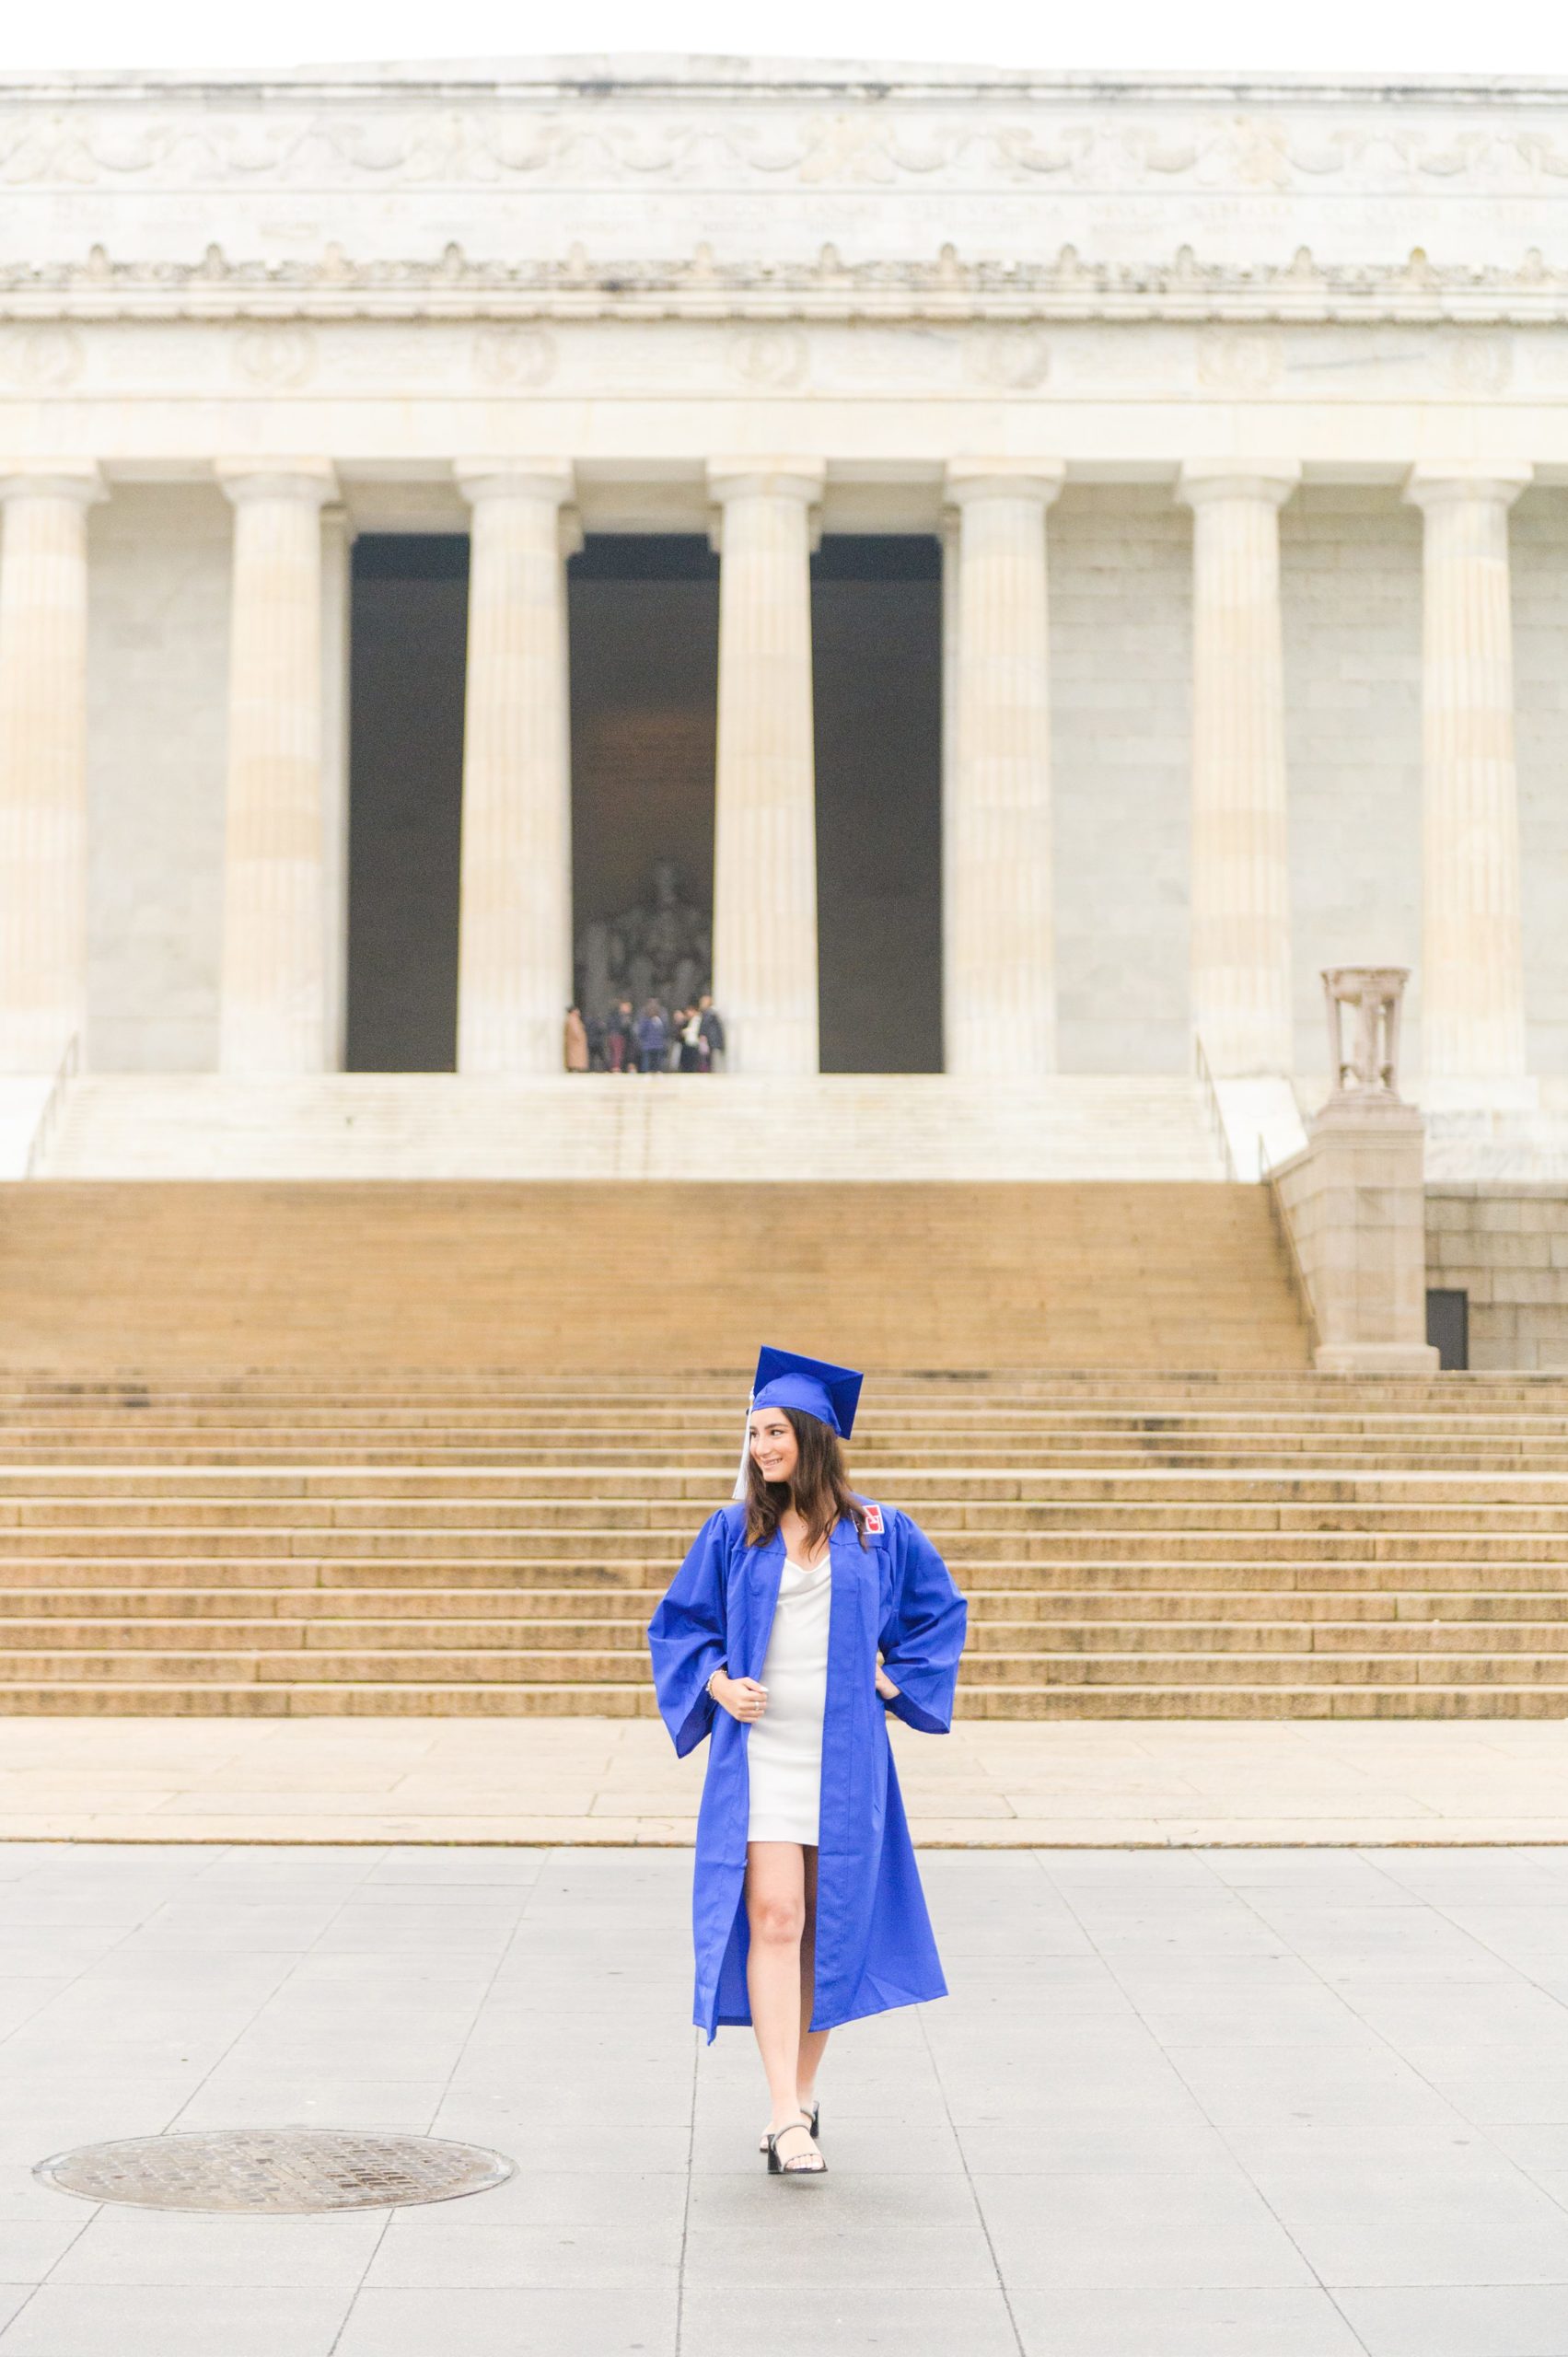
877, 659
645, 636
408, 667
1448, 1326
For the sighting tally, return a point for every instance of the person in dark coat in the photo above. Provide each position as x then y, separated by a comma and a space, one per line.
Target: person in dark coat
620, 1044
688, 1031
653, 1037
710, 1026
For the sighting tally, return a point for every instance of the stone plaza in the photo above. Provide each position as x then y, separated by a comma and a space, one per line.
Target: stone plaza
1306, 2101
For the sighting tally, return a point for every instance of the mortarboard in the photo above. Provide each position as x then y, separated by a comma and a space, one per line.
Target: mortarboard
814, 1386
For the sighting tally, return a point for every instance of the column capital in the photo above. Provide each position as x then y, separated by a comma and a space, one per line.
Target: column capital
312, 479
767, 478
1204, 479
551, 480
1039, 478
1437, 482
78, 479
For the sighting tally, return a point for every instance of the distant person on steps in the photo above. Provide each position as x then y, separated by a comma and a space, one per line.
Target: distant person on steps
653, 1037
620, 1040
712, 1026
801, 1616
577, 1040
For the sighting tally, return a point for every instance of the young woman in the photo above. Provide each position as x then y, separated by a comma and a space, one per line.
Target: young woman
807, 1907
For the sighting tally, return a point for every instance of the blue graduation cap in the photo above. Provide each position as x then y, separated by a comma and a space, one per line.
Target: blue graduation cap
785, 1379
814, 1386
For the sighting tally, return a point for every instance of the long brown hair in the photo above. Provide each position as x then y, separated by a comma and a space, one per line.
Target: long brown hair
819, 1492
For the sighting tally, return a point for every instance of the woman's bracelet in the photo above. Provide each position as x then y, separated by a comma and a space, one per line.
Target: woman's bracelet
708, 1689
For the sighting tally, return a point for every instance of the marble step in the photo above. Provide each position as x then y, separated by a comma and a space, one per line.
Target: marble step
1503, 1573
511, 1641
627, 1612
1114, 1700
167, 1279
1041, 1666
391, 1126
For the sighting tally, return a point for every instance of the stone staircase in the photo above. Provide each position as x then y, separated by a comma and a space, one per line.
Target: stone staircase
167, 1279
1132, 1545
435, 1126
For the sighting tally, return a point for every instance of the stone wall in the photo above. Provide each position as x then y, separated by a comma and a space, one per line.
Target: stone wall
1507, 1248
1350, 594
1122, 695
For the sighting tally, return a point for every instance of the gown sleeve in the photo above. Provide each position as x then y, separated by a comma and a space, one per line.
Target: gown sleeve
686, 1637
923, 1636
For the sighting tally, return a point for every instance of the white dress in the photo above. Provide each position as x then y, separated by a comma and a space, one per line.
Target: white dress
784, 1747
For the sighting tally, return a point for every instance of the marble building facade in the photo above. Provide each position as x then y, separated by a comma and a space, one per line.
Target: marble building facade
1241, 413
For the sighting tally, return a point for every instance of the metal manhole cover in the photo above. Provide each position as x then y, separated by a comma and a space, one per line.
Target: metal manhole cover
275, 2169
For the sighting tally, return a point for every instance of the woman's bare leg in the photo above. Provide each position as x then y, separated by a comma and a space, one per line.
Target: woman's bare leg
775, 1911
813, 2042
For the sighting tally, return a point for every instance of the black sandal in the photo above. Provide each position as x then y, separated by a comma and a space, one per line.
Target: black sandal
805, 2165
811, 2120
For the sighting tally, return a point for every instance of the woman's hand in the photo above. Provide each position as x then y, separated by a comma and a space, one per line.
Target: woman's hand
885, 1686
741, 1697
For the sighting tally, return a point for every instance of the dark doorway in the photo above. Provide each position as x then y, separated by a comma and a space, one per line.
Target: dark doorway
408, 666
645, 635
877, 654
1448, 1326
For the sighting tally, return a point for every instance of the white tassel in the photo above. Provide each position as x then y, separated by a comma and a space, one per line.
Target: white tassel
739, 1489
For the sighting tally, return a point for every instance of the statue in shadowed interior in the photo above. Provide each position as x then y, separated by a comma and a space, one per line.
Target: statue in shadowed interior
661, 948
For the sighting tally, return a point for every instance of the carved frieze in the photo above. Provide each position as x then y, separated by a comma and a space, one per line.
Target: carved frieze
986, 136
453, 286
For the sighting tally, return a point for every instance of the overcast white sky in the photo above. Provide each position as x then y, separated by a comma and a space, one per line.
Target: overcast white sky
1351, 35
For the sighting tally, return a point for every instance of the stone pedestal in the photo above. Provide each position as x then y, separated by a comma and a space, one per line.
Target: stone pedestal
514, 928
1473, 950
276, 1014
43, 758
1240, 955
765, 824
1356, 1201
998, 959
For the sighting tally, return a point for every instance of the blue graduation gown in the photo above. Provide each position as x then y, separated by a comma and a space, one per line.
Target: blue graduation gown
874, 1947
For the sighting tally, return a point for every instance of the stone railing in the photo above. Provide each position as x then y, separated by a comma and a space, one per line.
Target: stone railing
53, 1105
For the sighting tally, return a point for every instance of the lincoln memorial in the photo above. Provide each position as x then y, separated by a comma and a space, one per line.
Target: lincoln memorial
1048, 596
1048, 566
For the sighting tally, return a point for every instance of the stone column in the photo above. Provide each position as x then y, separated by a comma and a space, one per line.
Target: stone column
998, 954
766, 825
514, 926
1472, 954
274, 1013
1240, 954
44, 760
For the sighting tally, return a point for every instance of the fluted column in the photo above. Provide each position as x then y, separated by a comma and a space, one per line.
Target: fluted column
44, 760
765, 823
275, 1011
1240, 950
1472, 952
515, 926
998, 949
